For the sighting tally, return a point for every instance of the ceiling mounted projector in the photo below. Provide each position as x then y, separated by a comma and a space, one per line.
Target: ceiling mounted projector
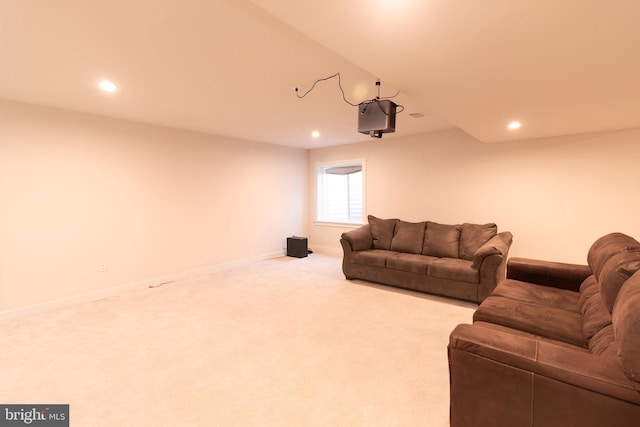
376, 117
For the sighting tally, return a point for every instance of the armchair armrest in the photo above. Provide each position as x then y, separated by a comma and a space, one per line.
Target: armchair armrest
497, 245
547, 273
522, 375
565, 363
359, 239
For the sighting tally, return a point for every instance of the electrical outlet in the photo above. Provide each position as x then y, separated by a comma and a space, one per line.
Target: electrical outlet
102, 267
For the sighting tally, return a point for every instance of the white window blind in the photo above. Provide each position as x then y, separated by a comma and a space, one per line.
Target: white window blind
341, 192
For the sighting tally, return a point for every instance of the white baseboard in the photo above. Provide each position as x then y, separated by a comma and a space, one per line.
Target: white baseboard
112, 291
328, 250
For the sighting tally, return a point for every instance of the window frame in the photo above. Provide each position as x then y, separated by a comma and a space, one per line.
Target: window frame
319, 168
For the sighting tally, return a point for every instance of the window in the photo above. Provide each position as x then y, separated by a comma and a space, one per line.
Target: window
340, 192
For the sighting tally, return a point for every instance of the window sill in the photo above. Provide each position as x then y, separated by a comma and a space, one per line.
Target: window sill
353, 225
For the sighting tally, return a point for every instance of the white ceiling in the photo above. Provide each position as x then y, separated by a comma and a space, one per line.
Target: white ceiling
228, 67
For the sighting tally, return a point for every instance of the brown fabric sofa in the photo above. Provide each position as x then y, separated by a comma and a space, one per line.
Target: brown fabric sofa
554, 345
463, 261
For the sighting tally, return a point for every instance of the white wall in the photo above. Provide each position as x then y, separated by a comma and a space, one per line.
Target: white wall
555, 195
77, 190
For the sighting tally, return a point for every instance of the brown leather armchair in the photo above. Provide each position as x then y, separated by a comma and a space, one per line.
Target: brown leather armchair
554, 345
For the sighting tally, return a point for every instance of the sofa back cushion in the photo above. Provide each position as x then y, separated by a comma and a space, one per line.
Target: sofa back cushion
626, 326
381, 231
615, 272
607, 246
604, 343
441, 240
472, 236
408, 237
595, 316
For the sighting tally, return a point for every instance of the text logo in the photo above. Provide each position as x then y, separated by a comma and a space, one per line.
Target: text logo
34, 415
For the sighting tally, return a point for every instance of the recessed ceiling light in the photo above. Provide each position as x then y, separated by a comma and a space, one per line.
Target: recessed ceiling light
315, 134
514, 125
107, 86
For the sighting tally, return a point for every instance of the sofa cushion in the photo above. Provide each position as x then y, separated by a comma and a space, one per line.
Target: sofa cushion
372, 257
626, 326
604, 343
408, 237
588, 288
615, 272
381, 231
411, 263
472, 236
548, 322
441, 240
594, 314
454, 269
538, 294
607, 246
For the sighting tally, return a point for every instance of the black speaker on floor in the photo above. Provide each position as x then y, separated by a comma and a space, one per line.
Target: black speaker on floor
297, 247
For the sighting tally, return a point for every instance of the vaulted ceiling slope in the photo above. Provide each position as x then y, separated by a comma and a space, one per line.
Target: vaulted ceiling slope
228, 67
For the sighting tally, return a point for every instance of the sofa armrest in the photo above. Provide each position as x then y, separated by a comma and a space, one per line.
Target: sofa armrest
522, 375
547, 273
497, 245
359, 239
569, 364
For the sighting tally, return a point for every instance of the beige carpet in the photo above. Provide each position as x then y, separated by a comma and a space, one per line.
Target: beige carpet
280, 342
